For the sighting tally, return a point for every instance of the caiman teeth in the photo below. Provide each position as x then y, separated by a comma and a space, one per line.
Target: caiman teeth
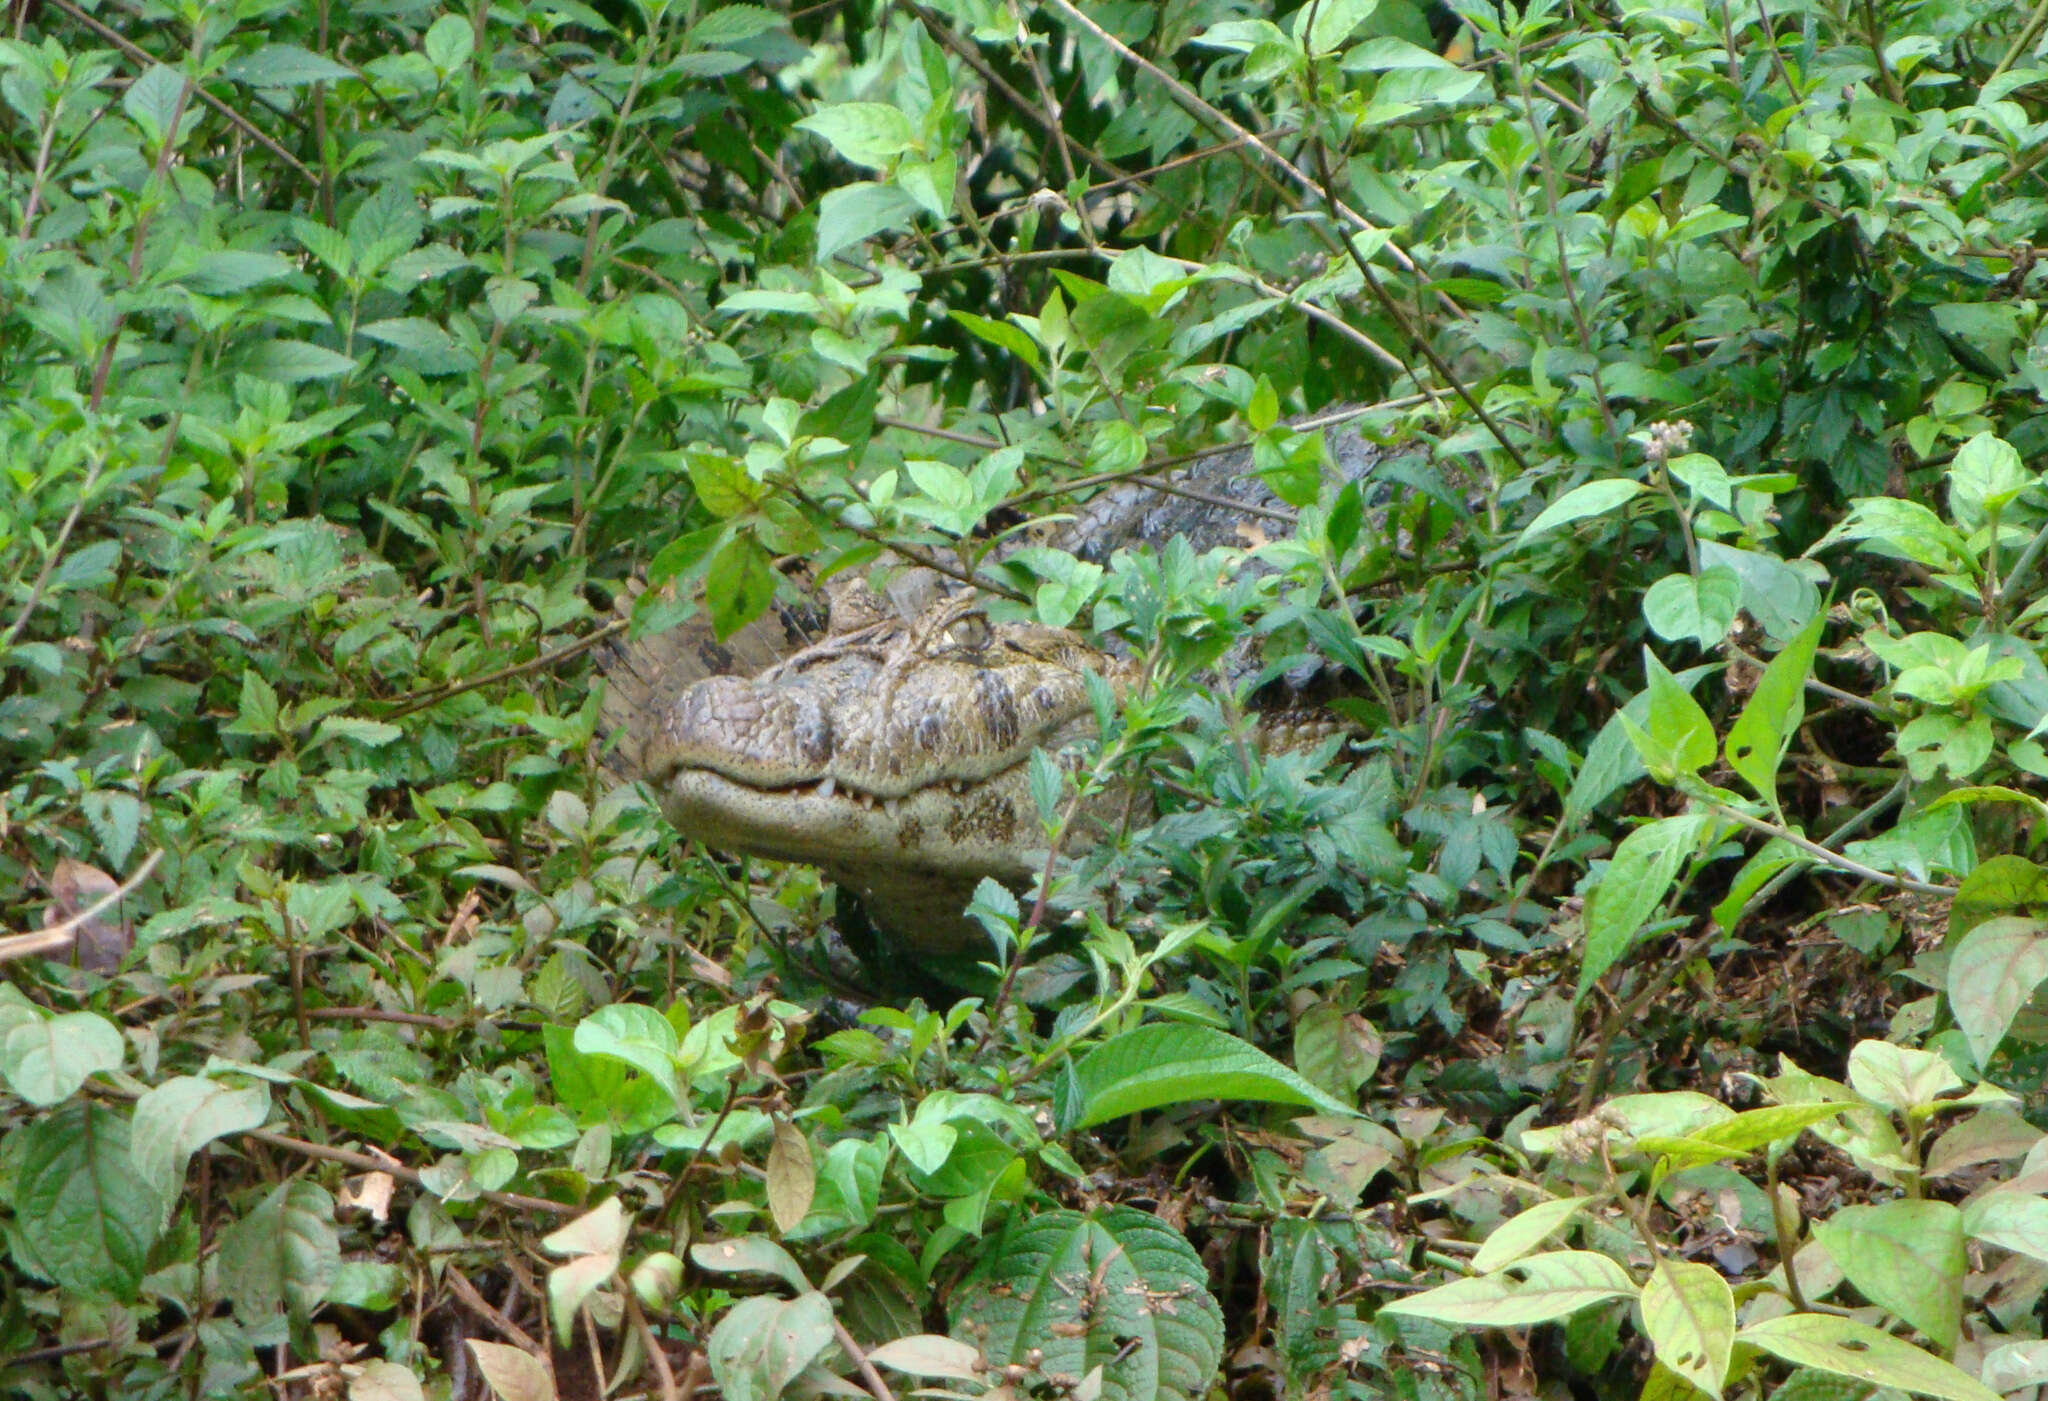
827, 787
889, 806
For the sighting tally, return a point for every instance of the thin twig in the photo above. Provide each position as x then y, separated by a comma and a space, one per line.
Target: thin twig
57, 936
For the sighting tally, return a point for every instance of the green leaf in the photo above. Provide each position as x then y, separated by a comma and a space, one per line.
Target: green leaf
1519, 1234
858, 211
183, 1115
449, 43
48, 1058
1907, 1258
1759, 736
738, 585
637, 1035
1001, 334
285, 66
2015, 1221
866, 133
1851, 1349
81, 1207
284, 1254
1176, 1064
1633, 887
294, 362
1676, 737
1060, 1292
1337, 1051
1992, 973
1537, 1289
1581, 503
749, 1255
732, 24
1689, 1317
763, 1344
1702, 607
228, 271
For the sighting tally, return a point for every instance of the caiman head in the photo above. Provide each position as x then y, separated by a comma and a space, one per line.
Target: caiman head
894, 756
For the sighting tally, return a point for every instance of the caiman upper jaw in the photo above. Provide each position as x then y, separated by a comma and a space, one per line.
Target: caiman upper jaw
882, 721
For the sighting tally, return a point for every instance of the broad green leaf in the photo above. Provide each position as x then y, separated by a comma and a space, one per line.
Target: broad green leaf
734, 24
738, 585
763, 1344
858, 211
1851, 1349
1335, 1050
2015, 1221
1176, 1064
930, 1355
1633, 887
286, 66
82, 1209
1064, 1292
1536, 1289
1689, 1317
1757, 739
866, 133
1698, 607
749, 1255
295, 361
1901, 1078
1906, 1257
283, 1254
47, 1059
1523, 1232
1581, 502
512, 1373
637, 1035
1753, 1128
1002, 334
1992, 973
183, 1115
1675, 738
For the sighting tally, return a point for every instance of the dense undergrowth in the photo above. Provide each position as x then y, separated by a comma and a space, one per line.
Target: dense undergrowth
1667, 916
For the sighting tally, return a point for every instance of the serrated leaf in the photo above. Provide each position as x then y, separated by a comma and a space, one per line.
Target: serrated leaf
1065, 1292
231, 270
1851, 1349
80, 1205
1176, 1064
1534, 1290
296, 361
285, 66
866, 133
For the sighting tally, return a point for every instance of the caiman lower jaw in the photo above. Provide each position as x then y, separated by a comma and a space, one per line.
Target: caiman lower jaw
913, 860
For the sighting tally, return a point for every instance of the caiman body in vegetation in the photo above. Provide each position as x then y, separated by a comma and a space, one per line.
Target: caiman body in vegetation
892, 747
